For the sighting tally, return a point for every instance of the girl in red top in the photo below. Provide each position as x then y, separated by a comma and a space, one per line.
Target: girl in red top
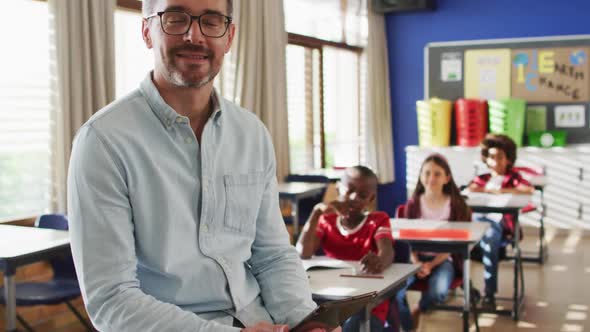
344, 230
436, 197
498, 152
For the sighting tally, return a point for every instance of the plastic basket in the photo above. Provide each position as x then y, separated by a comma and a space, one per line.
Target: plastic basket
506, 117
434, 122
471, 121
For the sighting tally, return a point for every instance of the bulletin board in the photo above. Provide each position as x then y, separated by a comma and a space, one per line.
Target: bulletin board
551, 73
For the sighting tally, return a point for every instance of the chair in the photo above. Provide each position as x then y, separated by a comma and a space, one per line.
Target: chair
62, 288
402, 252
305, 205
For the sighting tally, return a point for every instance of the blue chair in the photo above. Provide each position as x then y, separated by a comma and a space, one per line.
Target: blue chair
62, 288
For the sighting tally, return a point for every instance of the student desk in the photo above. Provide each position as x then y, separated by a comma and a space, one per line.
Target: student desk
328, 285
333, 175
444, 245
505, 204
21, 246
294, 191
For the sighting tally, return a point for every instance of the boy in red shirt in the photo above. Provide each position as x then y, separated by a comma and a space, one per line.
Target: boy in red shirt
344, 230
498, 152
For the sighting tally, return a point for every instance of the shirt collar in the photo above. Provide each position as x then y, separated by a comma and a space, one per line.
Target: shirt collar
166, 114
345, 231
216, 104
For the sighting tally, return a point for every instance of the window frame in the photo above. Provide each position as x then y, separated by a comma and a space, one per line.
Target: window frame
319, 44
134, 5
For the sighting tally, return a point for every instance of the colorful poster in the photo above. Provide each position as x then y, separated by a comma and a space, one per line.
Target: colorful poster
487, 73
570, 116
551, 74
451, 67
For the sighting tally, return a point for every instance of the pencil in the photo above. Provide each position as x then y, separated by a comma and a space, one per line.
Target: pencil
370, 276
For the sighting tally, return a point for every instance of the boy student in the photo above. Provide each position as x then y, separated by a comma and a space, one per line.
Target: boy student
345, 230
498, 152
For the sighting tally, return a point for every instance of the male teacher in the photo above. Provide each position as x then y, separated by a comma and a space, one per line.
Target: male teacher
173, 204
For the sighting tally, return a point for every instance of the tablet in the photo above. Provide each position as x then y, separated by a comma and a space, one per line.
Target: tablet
330, 315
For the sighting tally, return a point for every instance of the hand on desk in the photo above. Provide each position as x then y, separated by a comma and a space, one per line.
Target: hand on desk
477, 189
372, 263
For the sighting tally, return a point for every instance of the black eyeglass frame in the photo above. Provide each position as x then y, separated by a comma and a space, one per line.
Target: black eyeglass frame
228, 20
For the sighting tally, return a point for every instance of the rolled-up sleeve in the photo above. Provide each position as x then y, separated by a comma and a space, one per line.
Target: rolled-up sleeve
103, 246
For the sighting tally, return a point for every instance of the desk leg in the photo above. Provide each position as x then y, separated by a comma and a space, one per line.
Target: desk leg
542, 249
518, 273
10, 297
295, 216
366, 324
466, 293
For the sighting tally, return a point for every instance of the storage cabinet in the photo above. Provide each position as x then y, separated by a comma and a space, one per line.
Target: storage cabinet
566, 195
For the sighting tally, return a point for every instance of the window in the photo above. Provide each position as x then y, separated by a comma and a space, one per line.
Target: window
325, 83
133, 60
25, 106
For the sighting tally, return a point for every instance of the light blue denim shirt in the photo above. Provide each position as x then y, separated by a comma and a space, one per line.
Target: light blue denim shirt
171, 235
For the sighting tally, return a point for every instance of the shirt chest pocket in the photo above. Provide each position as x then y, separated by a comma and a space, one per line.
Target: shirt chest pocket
243, 194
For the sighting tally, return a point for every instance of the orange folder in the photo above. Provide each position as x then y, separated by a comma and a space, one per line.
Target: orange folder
415, 233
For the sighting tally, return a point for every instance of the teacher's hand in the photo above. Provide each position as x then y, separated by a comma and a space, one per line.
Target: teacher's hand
318, 329
266, 327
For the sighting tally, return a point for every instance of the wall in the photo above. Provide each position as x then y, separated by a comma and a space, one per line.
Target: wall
408, 33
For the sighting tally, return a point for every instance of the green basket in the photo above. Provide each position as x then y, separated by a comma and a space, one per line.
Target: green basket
507, 117
547, 139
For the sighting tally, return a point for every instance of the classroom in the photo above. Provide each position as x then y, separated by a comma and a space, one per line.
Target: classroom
294, 165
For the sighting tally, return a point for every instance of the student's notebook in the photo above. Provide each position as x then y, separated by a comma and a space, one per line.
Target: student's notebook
323, 262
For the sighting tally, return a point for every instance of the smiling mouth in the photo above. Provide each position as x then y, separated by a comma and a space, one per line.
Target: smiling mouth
193, 56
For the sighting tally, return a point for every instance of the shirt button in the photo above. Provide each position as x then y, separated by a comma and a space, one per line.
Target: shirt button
223, 263
205, 228
179, 120
188, 140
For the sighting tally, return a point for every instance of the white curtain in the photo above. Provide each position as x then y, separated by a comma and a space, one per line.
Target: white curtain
379, 133
258, 70
84, 76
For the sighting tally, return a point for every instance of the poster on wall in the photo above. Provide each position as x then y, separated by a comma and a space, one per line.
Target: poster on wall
487, 73
570, 116
536, 118
451, 66
557, 74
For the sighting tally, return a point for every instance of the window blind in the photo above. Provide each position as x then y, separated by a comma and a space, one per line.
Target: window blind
25, 105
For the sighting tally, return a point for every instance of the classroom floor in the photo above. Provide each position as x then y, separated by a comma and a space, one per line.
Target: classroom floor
557, 297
